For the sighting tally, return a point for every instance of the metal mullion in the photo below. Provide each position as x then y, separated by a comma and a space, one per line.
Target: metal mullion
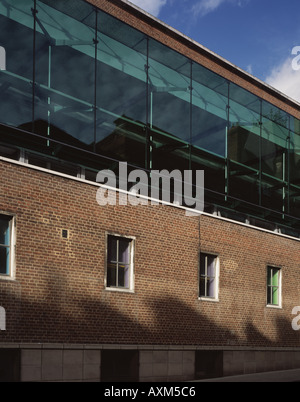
34, 12
95, 79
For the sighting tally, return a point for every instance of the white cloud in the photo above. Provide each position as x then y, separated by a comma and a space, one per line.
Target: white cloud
204, 7
286, 79
249, 69
151, 6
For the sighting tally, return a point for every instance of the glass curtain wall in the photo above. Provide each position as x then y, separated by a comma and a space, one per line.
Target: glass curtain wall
78, 79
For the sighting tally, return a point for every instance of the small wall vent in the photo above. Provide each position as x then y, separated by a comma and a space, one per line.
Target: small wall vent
64, 233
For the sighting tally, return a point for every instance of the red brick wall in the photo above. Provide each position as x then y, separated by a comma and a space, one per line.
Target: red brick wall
58, 294
177, 42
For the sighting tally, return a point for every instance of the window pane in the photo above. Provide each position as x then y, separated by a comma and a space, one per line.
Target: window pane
269, 279
269, 295
123, 276
112, 249
275, 295
211, 287
4, 231
124, 251
275, 277
211, 266
202, 264
4, 260
202, 286
111, 275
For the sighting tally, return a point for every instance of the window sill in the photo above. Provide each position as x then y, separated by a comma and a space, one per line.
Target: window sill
273, 306
7, 278
208, 299
119, 290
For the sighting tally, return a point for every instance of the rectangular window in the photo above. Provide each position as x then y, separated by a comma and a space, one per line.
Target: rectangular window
274, 286
119, 270
208, 286
5, 245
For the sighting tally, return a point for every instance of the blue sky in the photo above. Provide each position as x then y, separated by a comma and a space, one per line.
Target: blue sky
256, 35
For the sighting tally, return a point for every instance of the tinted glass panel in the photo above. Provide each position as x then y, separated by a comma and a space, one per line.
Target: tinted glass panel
65, 74
16, 21
275, 134
243, 143
244, 129
210, 101
121, 92
169, 108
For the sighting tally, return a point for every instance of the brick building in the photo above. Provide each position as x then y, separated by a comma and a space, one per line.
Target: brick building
145, 292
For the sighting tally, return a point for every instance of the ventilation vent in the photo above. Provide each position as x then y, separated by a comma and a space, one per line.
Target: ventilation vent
64, 233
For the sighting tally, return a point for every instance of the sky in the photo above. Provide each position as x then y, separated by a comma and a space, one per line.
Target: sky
261, 37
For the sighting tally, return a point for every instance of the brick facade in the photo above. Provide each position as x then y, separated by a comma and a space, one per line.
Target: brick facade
58, 294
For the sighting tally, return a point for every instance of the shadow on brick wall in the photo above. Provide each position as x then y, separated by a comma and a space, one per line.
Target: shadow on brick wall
63, 315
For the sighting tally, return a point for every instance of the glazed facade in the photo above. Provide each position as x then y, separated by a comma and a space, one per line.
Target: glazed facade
84, 90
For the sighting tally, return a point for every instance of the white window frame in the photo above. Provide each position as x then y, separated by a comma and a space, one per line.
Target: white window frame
217, 274
279, 305
12, 245
130, 289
